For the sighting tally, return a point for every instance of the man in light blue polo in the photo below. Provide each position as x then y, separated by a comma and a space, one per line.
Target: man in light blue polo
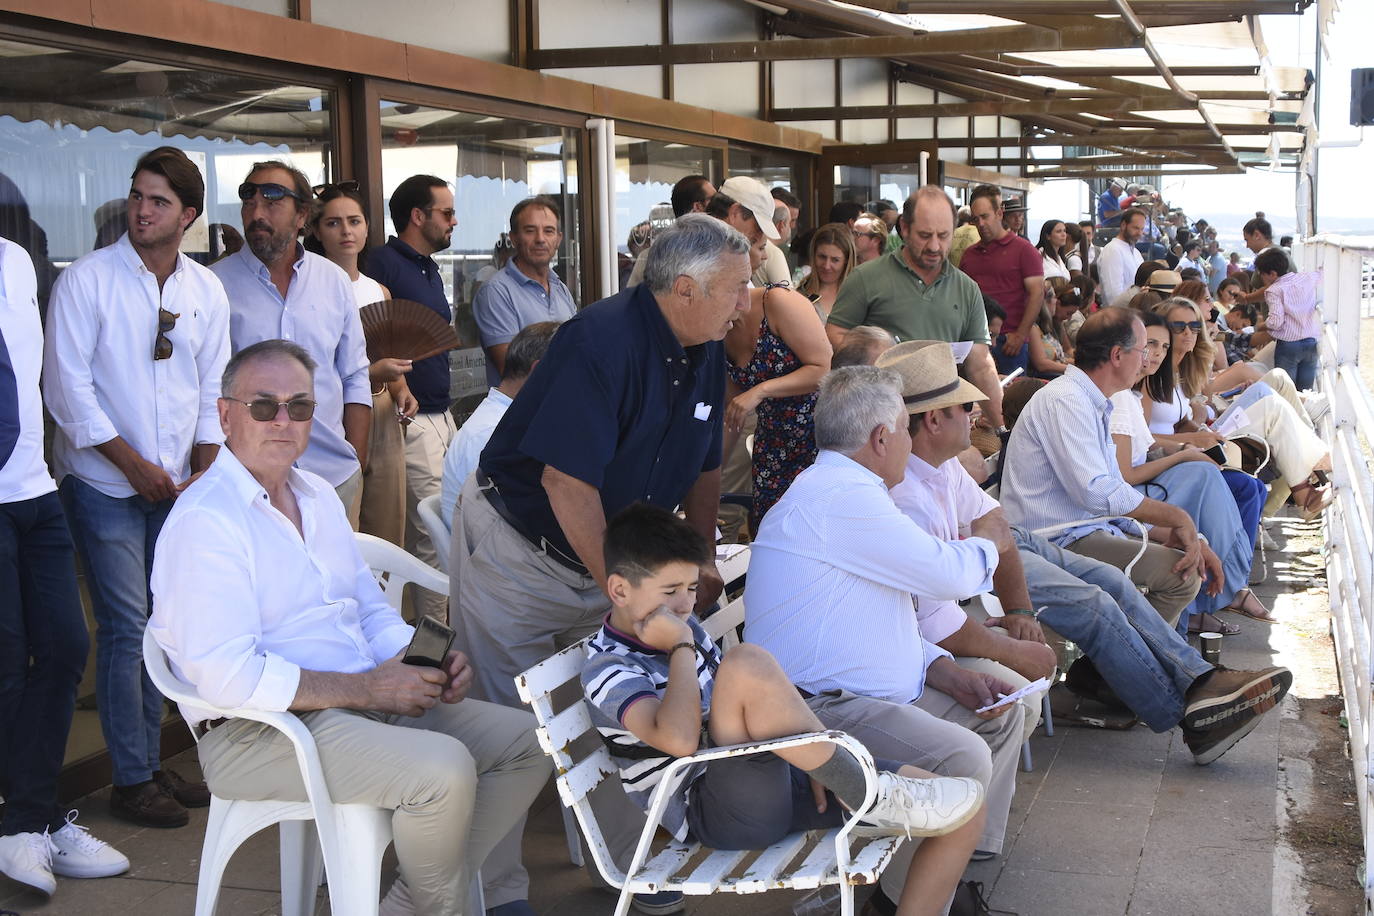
526, 290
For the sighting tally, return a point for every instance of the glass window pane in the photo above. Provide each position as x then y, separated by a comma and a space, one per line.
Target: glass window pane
73, 123
493, 164
645, 172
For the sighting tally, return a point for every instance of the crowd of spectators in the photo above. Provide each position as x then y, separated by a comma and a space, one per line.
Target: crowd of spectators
222, 431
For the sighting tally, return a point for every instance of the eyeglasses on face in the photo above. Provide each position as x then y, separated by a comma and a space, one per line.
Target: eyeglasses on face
270, 191
350, 186
1178, 327
162, 344
1156, 345
968, 408
264, 410
446, 212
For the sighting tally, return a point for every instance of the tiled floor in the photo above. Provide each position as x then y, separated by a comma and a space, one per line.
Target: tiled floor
1109, 823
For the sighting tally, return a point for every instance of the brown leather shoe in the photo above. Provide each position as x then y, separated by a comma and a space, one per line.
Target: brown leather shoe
190, 794
147, 805
1224, 696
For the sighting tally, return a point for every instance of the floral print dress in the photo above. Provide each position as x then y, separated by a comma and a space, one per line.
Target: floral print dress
784, 440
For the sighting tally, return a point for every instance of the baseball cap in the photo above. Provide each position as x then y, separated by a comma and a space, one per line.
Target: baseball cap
750, 194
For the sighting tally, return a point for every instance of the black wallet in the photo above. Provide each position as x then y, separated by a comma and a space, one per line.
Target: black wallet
430, 644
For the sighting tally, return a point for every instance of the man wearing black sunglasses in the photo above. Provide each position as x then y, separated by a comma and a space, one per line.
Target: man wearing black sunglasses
137, 336
277, 289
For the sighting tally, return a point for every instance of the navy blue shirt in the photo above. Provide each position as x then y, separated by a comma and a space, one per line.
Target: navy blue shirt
617, 403
411, 275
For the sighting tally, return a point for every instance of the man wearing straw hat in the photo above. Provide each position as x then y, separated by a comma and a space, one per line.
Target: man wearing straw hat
1129, 648
832, 575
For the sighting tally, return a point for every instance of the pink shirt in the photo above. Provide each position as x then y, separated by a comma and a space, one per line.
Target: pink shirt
1292, 301
1000, 269
943, 502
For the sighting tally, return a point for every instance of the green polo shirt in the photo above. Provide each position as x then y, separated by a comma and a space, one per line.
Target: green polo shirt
887, 293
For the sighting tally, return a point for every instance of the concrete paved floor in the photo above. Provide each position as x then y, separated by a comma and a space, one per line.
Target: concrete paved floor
1109, 823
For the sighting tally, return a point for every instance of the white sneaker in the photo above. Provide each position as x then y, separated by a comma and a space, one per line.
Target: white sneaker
27, 858
922, 807
77, 854
1317, 405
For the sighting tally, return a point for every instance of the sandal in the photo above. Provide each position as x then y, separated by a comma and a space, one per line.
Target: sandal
1247, 603
1211, 623
1311, 500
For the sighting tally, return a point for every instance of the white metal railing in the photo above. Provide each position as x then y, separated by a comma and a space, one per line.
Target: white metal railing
1349, 427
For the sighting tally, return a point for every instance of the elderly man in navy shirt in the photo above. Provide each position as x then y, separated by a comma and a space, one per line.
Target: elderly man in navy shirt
422, 212
625, 407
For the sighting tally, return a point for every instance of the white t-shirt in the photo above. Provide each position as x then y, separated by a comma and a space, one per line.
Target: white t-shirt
1128, 419
1054, 267
23, 475
367, 291
1164, 416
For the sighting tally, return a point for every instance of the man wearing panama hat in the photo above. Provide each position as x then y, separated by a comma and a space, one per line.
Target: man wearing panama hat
834, 575
1142, 660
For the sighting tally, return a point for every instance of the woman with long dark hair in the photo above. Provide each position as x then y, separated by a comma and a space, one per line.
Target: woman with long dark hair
1053, 238
338, 230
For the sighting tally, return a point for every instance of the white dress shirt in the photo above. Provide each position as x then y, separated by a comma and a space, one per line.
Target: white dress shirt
321, 314
24, 474
461, 458
1060, 462
101, 380
242, 601
1116, 267
1128, 419
832, 576
943, 502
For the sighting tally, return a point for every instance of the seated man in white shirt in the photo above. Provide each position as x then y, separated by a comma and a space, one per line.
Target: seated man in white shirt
1152, 670
832, 575
526, 349
261, 600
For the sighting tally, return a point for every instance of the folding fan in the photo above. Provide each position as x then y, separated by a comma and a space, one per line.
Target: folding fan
402, 329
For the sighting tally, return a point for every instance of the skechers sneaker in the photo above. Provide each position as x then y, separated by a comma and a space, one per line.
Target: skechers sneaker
77, 854
27, 858
1225, 695
922, 807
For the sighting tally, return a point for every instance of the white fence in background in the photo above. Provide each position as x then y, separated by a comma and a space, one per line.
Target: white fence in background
1349, 427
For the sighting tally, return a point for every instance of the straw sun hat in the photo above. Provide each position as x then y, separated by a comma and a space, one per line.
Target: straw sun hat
930, 379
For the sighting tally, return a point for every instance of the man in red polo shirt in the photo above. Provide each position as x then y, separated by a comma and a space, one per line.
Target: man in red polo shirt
1005, 266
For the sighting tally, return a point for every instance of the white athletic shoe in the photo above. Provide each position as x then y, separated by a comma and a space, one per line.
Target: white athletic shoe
27, 858
77, 854
922, 807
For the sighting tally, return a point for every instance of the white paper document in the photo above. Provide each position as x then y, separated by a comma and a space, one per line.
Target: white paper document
1232, 422
1031, 689
961, 350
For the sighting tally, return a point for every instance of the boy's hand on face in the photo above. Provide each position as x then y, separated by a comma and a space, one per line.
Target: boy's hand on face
662, 629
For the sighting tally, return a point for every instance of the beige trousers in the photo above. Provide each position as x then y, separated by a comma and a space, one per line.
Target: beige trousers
458, 778
383, 512
937, 734
351, 495
1168, 592
427, 438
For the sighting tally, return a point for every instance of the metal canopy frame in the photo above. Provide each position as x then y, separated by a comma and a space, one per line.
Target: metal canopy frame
1119, 96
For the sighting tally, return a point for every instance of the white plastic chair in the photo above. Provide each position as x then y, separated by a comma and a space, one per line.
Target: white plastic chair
348, 840
431, 516
824, 857
393, 568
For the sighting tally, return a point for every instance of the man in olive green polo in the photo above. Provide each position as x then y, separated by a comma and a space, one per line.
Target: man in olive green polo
914, 293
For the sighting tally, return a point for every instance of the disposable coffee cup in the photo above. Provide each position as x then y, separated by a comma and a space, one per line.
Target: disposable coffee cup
1211, 647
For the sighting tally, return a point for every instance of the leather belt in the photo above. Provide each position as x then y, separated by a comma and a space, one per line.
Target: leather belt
539, 543
204, 726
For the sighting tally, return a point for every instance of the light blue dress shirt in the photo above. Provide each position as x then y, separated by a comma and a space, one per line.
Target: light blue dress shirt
510, 300
1060, 462
461, 458
319, 313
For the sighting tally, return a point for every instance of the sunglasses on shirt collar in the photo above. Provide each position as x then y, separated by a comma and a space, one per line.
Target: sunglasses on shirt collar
270, 191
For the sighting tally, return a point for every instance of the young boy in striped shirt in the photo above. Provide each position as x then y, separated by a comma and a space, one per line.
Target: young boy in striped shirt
659, 689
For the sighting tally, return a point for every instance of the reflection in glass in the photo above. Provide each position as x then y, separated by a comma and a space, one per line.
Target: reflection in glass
73, 123
645, 172
493, 164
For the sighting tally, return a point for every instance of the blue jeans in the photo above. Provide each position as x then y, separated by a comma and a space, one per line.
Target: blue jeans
115, 537
1299, 359
1249, 494
43, 646
1147, 663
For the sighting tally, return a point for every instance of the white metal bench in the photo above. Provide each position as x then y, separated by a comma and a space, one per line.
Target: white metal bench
800, 861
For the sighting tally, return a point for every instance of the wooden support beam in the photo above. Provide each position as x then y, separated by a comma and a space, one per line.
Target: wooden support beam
1086, 35
1014, 8
1090, 174
1011, 109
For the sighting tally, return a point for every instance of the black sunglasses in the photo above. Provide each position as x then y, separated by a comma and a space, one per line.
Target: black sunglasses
350, 186
162, 344
270, 191
1178, 327
265, 410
